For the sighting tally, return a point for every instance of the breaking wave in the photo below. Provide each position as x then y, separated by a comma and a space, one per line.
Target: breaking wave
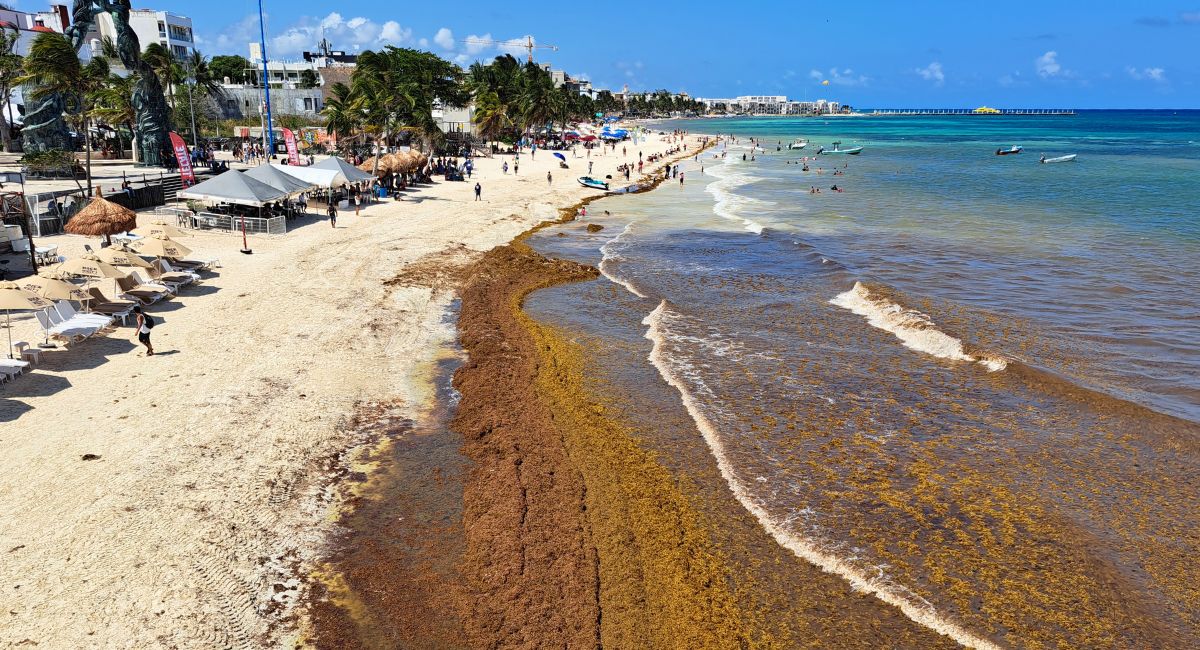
879, 585
914, 329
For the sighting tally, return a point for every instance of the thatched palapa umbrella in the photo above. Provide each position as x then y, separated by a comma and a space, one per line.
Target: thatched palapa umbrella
102, 218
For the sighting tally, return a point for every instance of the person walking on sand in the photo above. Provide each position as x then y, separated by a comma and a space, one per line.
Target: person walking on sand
478, 192
549, 179
589, 168
144, 325
516, 166
504, 167
332, 212
357, 201
680, 180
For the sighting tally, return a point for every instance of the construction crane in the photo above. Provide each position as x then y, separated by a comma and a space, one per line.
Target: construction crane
528, 45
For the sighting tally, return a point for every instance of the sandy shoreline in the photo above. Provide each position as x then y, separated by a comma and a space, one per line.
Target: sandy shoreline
219, 462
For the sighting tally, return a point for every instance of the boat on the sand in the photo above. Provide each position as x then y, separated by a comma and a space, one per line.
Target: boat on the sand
588, 181
1060, 159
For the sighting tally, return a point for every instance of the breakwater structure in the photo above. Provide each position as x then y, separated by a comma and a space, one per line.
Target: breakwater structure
982, 110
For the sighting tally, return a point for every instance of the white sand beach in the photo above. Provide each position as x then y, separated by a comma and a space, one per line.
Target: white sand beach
218, 457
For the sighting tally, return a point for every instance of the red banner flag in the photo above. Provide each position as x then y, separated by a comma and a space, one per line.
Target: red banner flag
184, 158
293, 154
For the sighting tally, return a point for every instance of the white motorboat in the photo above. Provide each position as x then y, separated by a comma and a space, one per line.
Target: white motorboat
1069, 158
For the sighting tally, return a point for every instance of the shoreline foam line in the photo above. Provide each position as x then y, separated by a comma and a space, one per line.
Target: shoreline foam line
609, 256
914, 329
921, 613
725, 201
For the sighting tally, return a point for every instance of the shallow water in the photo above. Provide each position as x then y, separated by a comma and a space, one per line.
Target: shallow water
967, 384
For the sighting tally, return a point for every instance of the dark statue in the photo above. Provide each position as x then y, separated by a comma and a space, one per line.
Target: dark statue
45, 127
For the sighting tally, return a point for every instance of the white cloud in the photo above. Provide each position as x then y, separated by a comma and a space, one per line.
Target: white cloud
1158, 75
354, 34
234, 38
843, 77
474, 43
394, 33
1047, 65
444, 38
932, 72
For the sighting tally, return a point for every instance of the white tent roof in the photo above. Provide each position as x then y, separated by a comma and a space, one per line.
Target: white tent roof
352, 173
315, 176
233, 187
278, 179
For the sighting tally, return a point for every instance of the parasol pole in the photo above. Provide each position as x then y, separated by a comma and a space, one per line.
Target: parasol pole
8, 326
246, 245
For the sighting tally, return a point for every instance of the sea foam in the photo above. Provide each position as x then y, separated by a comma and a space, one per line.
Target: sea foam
877, 584
611, 255
727, 203
914, 329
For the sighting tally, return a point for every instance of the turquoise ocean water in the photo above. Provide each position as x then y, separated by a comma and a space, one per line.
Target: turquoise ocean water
890, 376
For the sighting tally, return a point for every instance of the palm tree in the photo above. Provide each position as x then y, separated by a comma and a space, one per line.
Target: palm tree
53, 67
165, 67
10, 69
342, 119
114, 104
490, 115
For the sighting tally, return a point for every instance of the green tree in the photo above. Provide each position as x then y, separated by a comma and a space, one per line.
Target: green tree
342, 117
232, 66
165, 66
11, 67
53, 67
491, 116
308, 79
113, 105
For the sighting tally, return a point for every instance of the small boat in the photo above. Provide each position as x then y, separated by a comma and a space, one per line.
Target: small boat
588, 181
1070, 158
1009, 151
837, 148
800, 143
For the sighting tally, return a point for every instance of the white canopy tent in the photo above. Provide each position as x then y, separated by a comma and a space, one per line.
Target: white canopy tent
324, 178
234, 187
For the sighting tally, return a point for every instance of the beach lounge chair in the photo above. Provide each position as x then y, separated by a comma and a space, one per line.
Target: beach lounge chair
130, 289
10, 368
69, 315
196, 265
161, 271
168, 267
170, 285
55, 327
117, 308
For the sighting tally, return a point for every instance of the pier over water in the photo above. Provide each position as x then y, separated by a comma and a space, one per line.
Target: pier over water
972, 111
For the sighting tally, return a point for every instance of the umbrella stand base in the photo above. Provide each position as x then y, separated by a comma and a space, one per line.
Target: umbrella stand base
246, 251
47, 346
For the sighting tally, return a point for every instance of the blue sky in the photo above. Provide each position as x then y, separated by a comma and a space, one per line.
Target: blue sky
1059, 53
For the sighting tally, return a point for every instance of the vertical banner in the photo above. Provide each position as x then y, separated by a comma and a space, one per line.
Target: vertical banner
184, 158
293, 154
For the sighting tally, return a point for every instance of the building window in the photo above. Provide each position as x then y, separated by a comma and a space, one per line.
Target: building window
308, 104
162, 29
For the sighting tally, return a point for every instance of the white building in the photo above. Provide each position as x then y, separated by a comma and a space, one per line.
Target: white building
172, 31
770, 105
